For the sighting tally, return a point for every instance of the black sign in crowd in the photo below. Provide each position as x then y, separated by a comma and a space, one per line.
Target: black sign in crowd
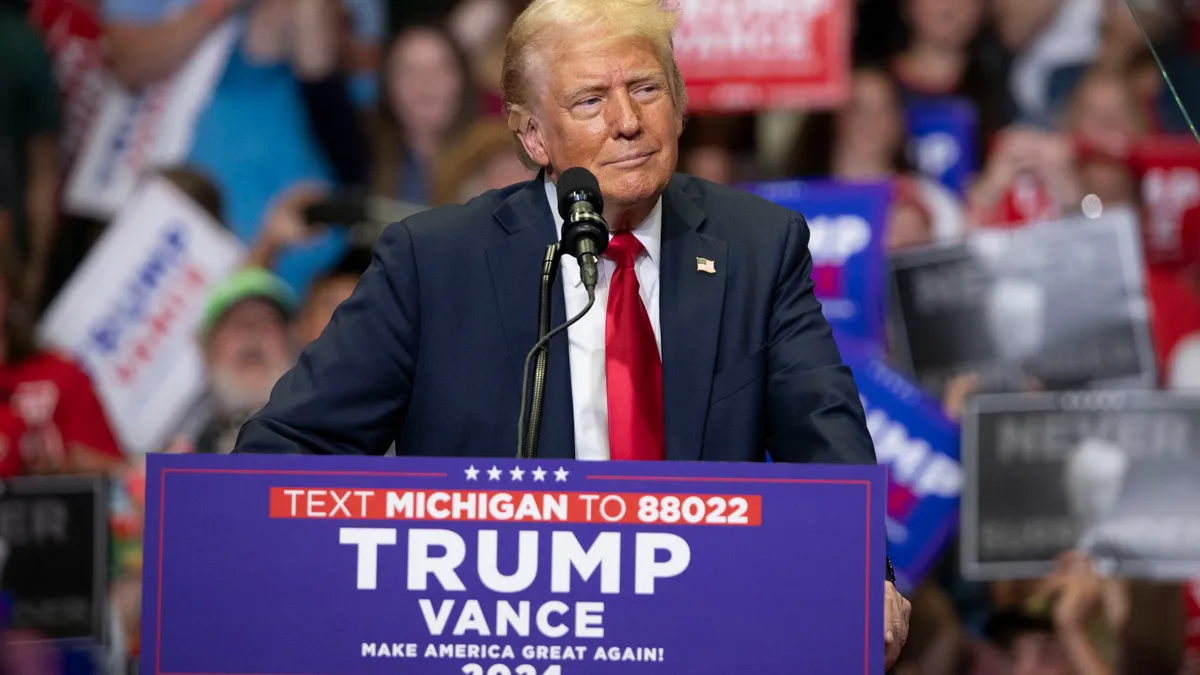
1112, 473
1104, 464
1055, 306
54, 555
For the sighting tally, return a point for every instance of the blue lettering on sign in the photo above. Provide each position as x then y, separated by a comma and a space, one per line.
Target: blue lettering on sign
914, 464
105, 334
847, 226
920, 447
120, 141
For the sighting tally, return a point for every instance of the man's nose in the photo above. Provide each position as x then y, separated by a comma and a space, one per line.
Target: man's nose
624, 116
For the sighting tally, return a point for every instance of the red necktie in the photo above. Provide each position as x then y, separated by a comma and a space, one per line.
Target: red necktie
632, 364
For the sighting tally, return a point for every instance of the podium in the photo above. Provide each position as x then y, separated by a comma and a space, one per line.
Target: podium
274, 565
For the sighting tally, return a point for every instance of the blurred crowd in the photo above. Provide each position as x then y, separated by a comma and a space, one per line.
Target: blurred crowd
335, 101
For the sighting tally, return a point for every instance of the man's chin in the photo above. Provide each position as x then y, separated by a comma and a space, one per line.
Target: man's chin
236, 393
629, 187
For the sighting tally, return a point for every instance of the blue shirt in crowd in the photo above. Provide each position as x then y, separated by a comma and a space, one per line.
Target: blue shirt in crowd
254, 139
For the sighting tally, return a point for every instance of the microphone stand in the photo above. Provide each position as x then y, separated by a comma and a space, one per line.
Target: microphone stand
534, 430
549, 271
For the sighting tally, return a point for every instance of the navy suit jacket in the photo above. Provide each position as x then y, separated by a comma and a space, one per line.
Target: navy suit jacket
428, 350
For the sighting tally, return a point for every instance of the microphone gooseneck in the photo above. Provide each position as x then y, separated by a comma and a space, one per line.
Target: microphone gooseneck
584, 236
540, 345
533, 419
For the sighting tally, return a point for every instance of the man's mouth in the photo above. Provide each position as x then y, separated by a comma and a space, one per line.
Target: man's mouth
631, 160
252, 356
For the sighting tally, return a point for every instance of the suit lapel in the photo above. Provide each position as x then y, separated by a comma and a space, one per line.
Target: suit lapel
690, 308
515, 261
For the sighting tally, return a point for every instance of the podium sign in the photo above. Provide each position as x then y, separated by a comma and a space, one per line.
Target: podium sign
308, 565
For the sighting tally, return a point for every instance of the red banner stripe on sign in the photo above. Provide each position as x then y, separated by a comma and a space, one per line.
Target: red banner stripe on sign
517, 506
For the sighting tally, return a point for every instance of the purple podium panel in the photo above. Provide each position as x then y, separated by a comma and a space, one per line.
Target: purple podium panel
266, 565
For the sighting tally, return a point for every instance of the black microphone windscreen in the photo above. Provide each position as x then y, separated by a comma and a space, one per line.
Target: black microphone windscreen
578, 184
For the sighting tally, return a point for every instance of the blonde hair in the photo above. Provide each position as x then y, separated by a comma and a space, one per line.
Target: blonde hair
542, 25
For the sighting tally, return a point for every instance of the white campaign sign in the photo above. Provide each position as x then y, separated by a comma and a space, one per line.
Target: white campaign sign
130, 312
135, 131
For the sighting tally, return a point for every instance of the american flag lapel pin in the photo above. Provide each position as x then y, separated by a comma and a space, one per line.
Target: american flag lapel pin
705, 265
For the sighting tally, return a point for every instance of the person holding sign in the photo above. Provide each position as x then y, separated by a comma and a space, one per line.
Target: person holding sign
704, 341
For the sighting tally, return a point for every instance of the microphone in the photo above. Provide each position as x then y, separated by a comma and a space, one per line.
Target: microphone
585, 236
585, 232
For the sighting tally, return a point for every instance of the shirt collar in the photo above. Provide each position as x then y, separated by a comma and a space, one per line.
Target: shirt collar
649, 231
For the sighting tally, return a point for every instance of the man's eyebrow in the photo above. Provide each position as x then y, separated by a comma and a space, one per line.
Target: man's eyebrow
643, 76
636, 78
584, 89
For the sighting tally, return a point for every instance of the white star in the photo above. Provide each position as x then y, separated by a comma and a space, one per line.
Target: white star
517, 473
539, 474
494, 473
561, 474
472, 472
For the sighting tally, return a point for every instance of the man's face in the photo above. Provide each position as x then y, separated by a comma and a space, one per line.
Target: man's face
606, 106
247, 353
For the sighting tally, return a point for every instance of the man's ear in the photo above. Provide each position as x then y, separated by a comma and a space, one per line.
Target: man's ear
535, 144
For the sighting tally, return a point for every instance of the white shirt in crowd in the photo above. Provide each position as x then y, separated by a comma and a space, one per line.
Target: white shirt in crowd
1072, 37
589, 392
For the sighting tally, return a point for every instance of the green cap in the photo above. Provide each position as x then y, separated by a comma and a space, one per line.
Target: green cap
246, 284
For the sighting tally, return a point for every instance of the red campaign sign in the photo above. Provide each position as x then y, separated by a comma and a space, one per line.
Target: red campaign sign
1168, 168
73, 32
748, 55
1176, 312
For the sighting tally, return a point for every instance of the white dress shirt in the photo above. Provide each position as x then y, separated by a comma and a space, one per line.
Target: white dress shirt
589, 383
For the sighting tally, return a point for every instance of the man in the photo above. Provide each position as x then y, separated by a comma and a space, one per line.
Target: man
246, 340
705, 342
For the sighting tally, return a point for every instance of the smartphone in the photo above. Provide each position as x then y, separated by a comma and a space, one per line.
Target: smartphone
343, 208
366, 216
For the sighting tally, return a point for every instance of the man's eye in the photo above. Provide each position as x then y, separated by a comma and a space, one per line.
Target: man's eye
588, 102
